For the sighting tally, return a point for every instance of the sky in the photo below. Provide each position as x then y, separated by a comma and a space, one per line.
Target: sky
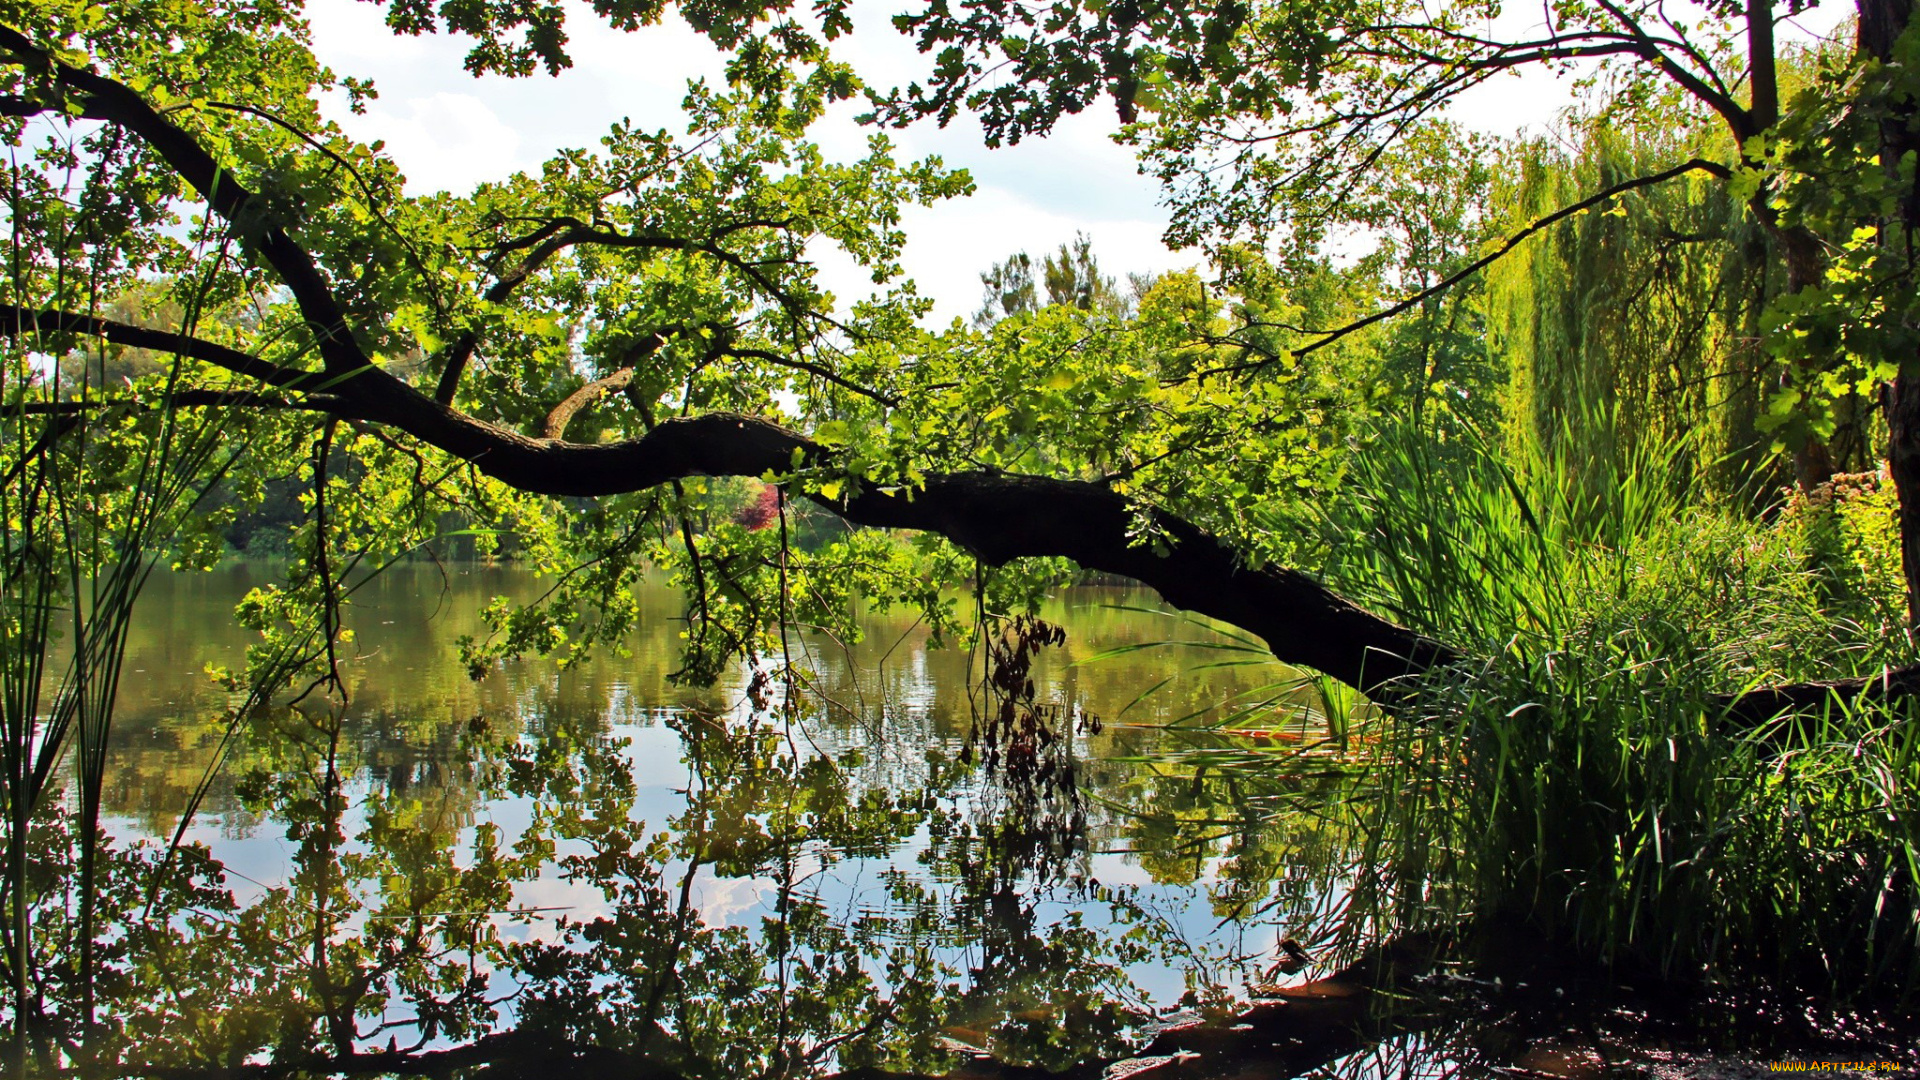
448, 130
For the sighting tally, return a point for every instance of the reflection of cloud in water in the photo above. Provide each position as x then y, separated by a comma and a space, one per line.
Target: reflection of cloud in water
656, 760
254, 863
578, 902
721, 899
741, 901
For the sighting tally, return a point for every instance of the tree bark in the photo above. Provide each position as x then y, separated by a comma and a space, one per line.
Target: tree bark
1881, 24
1812, 460
1902, 398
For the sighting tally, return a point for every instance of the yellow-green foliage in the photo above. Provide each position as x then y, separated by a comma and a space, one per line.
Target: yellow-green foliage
1849, 530
1642, 309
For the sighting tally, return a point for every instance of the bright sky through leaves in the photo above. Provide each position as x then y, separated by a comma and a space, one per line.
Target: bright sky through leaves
450, 131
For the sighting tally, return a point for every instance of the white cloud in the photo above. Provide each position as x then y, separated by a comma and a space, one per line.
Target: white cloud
643, 75
449, 131
349, 34
724, 901
1515, 103
443, 141
577, 901
640, 76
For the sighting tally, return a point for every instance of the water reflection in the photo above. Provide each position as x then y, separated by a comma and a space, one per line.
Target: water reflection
593, 869
595, 866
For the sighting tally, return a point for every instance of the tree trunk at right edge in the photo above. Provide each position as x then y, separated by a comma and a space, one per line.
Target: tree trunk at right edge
1881, 24
1903, 464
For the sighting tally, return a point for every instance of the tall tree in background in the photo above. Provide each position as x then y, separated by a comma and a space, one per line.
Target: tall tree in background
1009, 290
1071, 277
1428, 202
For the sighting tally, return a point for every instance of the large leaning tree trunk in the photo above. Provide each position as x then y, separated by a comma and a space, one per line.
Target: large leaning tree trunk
1881, 24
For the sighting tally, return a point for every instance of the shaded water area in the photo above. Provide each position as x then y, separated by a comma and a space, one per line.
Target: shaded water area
598, 868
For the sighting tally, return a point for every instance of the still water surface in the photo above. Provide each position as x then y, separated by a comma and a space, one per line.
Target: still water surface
702, 868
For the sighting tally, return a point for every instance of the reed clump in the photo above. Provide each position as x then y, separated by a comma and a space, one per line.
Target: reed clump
1579, 775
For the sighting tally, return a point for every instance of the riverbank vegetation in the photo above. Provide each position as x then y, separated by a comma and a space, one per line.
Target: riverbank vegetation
1582, 479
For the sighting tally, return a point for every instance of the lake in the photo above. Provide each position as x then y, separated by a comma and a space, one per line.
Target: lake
1128, 848
446, 857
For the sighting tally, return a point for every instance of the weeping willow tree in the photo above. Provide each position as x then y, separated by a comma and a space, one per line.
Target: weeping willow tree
1636, 324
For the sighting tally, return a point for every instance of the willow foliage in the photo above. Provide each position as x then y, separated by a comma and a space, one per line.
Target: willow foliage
1634, 325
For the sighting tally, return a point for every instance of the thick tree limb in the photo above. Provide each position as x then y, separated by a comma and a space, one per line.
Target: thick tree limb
1000, 517
563, 413
245, 209
996, 516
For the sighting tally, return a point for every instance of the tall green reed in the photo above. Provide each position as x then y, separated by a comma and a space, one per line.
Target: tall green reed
1577, 775
102, 482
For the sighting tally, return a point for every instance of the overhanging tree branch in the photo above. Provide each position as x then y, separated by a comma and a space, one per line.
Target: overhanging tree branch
1736, 117
247, 211
16, 321
547, 241
997, 517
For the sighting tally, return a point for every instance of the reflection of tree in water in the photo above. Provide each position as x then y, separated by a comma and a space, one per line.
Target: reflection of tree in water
1045, 994
1277, 842
649, 978
397, 942
396, 949
393, 946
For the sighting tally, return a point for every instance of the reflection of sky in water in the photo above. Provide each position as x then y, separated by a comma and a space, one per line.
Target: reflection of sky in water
850, 888
905, 700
